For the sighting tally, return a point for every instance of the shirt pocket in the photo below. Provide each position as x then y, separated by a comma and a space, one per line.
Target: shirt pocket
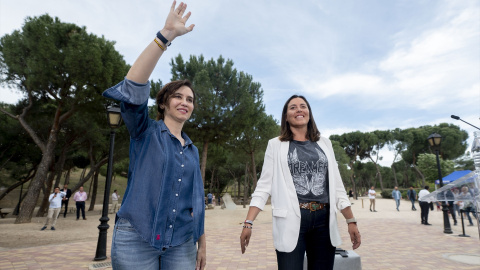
279, 212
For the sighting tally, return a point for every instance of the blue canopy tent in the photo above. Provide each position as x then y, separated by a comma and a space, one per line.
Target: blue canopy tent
452, 177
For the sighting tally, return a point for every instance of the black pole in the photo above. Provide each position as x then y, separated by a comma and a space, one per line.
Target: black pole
101, 253
446, 221
463, 226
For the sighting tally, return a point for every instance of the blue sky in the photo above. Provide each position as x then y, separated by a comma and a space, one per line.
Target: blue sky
363, 65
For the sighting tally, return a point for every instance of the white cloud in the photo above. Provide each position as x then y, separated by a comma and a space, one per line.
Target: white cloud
435, 67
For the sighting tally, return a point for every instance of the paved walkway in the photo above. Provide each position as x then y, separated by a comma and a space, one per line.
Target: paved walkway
390, 240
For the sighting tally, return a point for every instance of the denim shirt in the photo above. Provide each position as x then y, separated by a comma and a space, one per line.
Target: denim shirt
164, 199
396, 194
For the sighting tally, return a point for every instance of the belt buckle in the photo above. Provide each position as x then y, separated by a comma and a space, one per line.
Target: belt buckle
314, 206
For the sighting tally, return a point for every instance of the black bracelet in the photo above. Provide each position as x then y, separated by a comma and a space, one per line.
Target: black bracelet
248, 227
163, 39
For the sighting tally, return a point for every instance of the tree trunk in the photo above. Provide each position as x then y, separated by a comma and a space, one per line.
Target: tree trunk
67, 176
30, 201
90, 173
245, 186
254, 170
239, 187
210, 188
59, 167
203, 166
90, 186
44, 206
394, 175
93, 196
420, 173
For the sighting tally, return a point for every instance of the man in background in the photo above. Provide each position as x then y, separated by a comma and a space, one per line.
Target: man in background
65, 200
371, 196
412, 196
55, 200
397, 196
424, 205
115, 198
80, 197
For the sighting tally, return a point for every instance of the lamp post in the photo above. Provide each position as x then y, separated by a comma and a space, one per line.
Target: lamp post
114, 119
435, 140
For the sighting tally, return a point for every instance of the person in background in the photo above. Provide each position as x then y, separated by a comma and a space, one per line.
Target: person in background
424, 206
412, 196
301, 175
209, 198
80, 197
397, 196
115, 198
371, 195
65, 200
350, 196
450, 197
55, 200
468, 206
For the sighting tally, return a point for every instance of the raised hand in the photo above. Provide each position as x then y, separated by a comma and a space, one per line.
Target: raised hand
175, 25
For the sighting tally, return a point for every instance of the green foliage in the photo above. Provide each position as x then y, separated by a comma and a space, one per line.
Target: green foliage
228, 107
62, 71
427, 163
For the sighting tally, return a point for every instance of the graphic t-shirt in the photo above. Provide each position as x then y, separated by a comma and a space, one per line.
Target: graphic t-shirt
308, 165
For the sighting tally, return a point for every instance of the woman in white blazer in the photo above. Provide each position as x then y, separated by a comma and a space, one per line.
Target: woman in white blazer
301, 174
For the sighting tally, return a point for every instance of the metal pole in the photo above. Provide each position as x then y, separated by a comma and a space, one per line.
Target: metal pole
101, 253
446, 221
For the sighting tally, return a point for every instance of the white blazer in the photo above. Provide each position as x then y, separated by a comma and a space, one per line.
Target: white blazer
276, 181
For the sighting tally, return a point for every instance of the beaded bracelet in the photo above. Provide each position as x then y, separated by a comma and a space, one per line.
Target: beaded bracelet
248, 227
159, 45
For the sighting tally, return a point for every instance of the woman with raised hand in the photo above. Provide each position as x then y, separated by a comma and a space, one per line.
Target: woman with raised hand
301, 175
162, 214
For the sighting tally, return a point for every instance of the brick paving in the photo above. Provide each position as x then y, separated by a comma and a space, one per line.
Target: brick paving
390, 240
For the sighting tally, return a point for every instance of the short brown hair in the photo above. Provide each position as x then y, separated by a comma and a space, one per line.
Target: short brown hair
166, 93
286, 134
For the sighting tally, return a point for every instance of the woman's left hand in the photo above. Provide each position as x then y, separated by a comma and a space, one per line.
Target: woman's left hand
201, 253
201, 258
354, 235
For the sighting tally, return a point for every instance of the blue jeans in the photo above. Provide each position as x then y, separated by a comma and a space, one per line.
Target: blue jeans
130, 251
314, 238
397, 202
413, 204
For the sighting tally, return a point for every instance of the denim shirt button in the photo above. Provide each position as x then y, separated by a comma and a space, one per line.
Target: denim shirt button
171, 226
179, 180
174, 210
182, 165
181, 153
176, 194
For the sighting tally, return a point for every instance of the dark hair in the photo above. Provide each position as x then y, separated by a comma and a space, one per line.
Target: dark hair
166, 93
115, 190
56, 188
286, 134
427, 187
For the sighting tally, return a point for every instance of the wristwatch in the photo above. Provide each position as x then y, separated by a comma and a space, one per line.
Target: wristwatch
351, 220
163, 39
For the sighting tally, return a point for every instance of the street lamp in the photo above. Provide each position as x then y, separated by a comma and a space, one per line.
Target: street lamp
114, 120
435, 140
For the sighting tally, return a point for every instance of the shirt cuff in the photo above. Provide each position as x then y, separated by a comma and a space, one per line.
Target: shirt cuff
258, 202
129, 92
